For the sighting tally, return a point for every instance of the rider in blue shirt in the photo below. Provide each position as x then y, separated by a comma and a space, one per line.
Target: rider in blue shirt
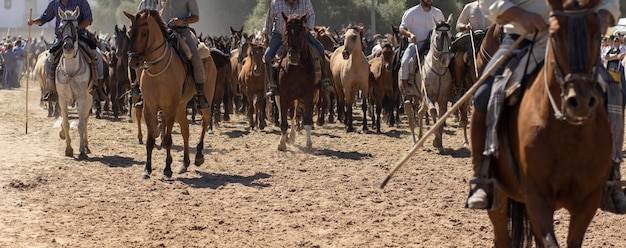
84, 20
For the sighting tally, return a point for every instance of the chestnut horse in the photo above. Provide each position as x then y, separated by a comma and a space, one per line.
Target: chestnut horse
556, 144
252, 80
297, 80
381, 86
166, 85
351, 72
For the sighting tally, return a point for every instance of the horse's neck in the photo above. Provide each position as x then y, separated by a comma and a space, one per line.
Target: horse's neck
72, 63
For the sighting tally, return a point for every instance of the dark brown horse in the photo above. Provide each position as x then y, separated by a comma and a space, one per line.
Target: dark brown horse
297, 81
166, 85
381, 84
556, 144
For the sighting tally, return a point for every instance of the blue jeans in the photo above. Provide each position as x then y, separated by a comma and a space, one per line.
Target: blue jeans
409, 53
55, 47
483, 93
276, 40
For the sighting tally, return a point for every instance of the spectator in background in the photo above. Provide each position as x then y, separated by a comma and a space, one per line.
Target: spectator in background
9, 79
20, 53
613, 58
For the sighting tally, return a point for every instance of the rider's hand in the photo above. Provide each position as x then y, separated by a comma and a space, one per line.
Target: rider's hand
178, 22
31, 22
413, 39
468, 27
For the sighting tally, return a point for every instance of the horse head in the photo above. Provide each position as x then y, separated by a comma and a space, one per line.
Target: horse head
255, 53
572, 53
235, 37
440, 41
122, 41
143, 40
387, 54
69, 30
352, 41
294, 37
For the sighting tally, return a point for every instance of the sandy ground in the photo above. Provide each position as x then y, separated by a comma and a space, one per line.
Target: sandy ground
247, 194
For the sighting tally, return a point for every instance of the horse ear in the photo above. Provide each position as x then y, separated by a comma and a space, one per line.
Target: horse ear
116, 29
77, 11
124, 29
304, 17
284, 16
241, 30
129, 16
61, 13
449, 19
232, 30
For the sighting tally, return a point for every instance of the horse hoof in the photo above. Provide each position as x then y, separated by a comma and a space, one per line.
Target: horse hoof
168, 173
282, 147
69, 152
199, 161
145, 176
350, 129
83, 156
182, 170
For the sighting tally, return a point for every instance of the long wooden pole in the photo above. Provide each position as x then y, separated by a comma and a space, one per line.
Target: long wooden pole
30, 17
454, 107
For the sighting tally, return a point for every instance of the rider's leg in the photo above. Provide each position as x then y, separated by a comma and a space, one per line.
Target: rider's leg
459, 65
325, 82
404, 72
275, 42
199, 74
51, 64
478, 132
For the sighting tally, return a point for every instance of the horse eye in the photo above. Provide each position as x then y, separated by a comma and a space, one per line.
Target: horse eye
144, 34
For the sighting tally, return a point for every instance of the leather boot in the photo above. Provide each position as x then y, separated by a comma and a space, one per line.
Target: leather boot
200, 97
617, 193
51, 93
272, 88
405, 86
479, 198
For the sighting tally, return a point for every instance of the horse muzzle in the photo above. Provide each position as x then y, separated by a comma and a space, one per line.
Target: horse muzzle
345, 54
294, 58
68, 45
579, 104
135, 61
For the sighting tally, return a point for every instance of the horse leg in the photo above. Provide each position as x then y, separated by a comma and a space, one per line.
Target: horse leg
167, 120
138, 116
580, 217
379, 110
261, 101
464, 121
350, 97
250, 113
438, 141
206, 120
499, 218
64, 134
364, 108
308, 120
84, 104
291, 138
282, 106
181, 118
151, 126
541, 218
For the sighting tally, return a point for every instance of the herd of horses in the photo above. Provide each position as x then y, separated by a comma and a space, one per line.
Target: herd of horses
544, 164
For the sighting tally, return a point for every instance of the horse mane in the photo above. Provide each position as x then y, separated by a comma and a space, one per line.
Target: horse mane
157, 17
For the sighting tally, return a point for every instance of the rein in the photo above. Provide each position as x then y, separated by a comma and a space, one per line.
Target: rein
578, 58
147, 65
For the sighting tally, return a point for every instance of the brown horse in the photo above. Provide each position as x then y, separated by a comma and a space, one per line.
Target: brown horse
556, 144
252, 79
350, 72
166, 85
381, 85
488, 46
39, 74
326, 38
297, 80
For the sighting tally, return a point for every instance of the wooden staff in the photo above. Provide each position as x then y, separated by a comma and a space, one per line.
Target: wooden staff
30, 17
454, 107
471, 33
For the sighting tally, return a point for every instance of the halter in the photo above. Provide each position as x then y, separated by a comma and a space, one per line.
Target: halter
578, 57
142, 56
295, 53
443, 41
72, 34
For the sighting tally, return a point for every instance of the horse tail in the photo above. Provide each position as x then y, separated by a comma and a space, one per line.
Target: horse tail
519, 225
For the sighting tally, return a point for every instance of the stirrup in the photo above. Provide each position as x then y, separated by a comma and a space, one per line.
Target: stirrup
202, 102
477, 192
326, 85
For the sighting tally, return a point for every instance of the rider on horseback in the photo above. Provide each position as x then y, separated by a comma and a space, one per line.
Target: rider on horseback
518, 20
417, 23
85, 19
273, 30
181, 13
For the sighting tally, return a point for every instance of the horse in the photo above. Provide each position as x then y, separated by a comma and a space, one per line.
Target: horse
350, 72
120, 78
436, 81
253, 83
555, 147
326, 38
488, 46
72, 82
297, 80
238, 43
166, 85
381, 85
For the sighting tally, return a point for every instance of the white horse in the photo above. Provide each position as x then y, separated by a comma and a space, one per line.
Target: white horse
72, 82
435, 83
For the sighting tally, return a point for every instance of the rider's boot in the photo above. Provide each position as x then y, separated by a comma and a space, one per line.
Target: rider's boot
459, 64
405, 86
272, 88
200, 97
325, 82
479, 198
51, 88
617, 193
136, 92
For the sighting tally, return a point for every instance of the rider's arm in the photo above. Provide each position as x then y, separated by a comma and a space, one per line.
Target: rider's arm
269, 21
462, 23
48, 15
85, 15
406, 21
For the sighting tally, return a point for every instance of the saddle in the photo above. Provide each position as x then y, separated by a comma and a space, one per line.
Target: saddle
463, 43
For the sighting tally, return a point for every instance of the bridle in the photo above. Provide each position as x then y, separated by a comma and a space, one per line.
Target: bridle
143, 55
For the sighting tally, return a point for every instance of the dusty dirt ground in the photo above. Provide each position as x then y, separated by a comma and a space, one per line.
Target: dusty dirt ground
247, 194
